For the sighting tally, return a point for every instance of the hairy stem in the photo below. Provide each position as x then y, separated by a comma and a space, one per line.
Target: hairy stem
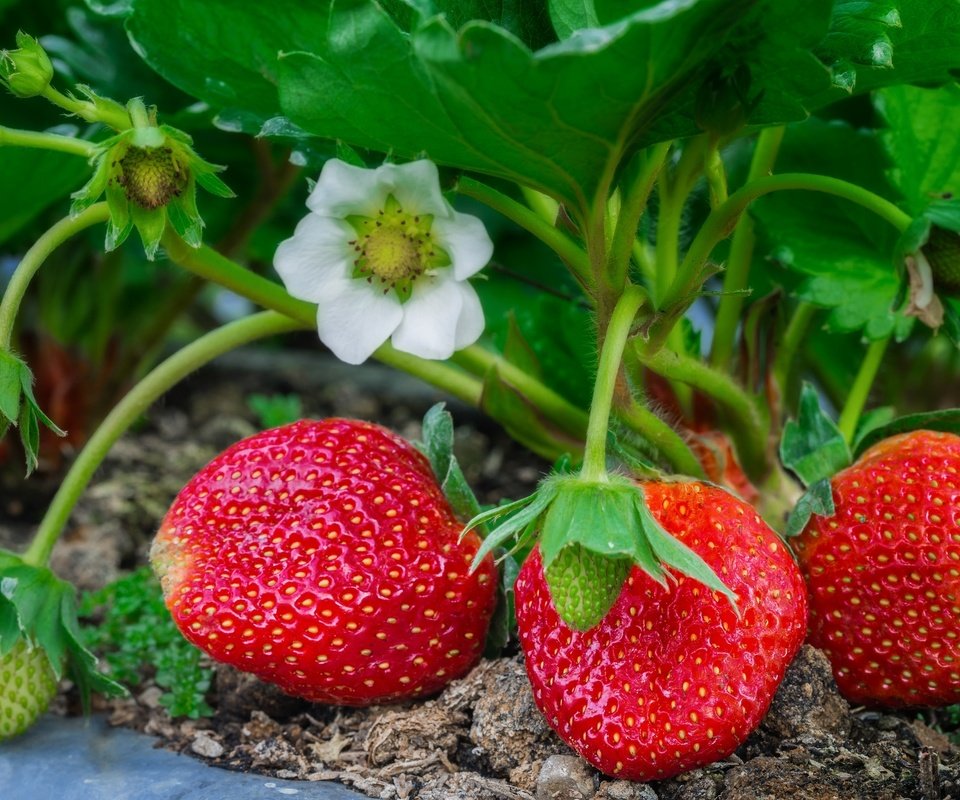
117, 118
751, 428
34, 258
792, 339
631, 210
611, 356
661, 435
860, 391
741, 255
722, 220
135, 403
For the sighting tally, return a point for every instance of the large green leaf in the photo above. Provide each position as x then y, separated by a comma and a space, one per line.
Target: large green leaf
927, 163
842, 253
876, 43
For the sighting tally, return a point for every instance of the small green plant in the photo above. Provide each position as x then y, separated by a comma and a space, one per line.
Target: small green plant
276, 409
136, 633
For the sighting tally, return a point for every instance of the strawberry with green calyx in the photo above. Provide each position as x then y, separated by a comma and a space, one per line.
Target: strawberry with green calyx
39, 637
323, 557
674, 676
883, 568
594, 526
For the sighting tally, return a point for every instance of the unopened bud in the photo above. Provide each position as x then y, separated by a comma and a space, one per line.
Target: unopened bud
26, 71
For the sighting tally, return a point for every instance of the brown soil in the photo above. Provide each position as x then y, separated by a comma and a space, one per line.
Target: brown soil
482, 737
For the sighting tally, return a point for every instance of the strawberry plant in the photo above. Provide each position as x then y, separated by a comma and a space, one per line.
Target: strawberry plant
700, 255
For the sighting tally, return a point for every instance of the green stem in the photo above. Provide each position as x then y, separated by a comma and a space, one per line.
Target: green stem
107, 112
860, 391
792, 339
212, 266
135, 403
631, 210
542, 204
716, 175
661, 435
571, 253
722, 220
750, 430
33, 259
741, 255
566, 416
611, 356
12, 137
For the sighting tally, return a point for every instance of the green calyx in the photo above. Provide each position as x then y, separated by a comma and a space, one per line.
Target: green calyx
591, 534
394, 248
40, 640
26, 71
149, 174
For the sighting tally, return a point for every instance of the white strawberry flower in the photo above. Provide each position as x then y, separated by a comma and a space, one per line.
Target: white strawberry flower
385, 256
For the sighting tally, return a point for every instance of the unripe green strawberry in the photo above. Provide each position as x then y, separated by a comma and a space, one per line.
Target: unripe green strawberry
884, 573
323, 557
943, 252
27, 685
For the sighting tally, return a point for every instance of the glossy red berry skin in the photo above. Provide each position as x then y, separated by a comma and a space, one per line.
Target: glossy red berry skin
884, 573
671, 679
323, 557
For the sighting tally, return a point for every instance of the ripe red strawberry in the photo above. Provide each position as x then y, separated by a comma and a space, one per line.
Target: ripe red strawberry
671, 678
323, 557
884, 573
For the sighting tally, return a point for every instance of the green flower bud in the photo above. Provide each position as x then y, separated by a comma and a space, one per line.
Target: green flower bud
26, 71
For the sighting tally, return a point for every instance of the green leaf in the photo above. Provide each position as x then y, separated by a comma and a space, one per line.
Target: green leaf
503, 622
817, 499
26, 385
10, 387
569, 16
29, 436
883, 43
946, 420
438, 440
926, 163
812, 445
839, 256
522, 519
44, 610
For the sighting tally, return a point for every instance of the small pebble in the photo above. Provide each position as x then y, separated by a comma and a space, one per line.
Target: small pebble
566, 778
205, 745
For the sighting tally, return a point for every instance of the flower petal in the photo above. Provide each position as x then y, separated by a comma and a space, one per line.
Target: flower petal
354, 319
318, 252
471, 322
344, 189
416, 186
430, 319
465, 240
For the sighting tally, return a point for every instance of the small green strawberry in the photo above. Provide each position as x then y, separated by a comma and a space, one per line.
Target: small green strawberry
27, 685
39, 643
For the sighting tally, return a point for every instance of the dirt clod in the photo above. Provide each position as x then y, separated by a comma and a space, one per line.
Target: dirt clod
566, 778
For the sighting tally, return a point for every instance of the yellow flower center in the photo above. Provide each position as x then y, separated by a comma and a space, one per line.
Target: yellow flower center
394, 248
392, 255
